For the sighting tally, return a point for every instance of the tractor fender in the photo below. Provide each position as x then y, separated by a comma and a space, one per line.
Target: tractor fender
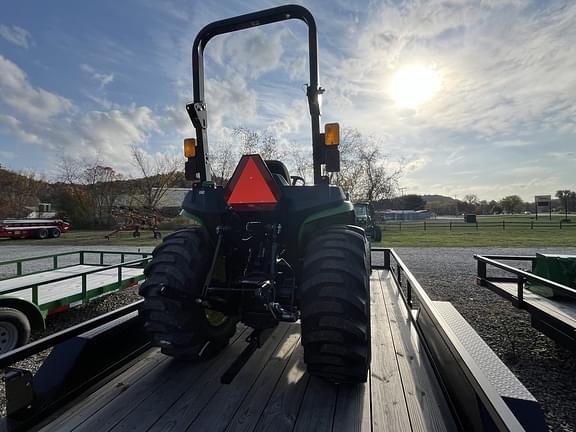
342, 214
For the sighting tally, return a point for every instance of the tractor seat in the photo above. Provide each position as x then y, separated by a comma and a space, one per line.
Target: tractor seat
278, 169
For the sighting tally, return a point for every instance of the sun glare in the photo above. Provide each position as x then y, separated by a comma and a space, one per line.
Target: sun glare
413, 86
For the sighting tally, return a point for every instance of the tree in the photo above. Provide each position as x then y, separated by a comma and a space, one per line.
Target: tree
365, 171
566, 196
91, 191
511, 203
19, 190
159, 173
259, 141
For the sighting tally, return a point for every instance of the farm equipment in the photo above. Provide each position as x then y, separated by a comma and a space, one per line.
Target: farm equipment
364, 219
266, 251
135, 221
33, 228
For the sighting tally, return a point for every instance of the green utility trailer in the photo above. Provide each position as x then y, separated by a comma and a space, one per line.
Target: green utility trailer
35, 287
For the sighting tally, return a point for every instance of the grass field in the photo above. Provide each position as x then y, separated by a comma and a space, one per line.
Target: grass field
516, 237
412, 234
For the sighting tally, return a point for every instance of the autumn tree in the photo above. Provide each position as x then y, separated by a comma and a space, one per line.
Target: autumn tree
19, 190
157, 173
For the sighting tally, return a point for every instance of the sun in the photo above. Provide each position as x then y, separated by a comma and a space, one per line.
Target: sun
413, 86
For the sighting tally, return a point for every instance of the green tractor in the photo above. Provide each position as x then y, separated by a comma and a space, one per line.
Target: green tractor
266, 249
364, 219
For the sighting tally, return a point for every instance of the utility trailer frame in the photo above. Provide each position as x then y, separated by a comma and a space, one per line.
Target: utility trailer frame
66, 280
555, 317
429, 372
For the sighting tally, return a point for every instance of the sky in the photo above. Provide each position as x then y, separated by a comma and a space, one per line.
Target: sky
472, 96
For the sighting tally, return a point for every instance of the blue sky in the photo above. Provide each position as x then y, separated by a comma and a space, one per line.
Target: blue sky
91, 79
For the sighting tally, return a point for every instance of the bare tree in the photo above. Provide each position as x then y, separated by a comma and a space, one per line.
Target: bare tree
223, 159
378, 180
159, 173
261, 142
365, 172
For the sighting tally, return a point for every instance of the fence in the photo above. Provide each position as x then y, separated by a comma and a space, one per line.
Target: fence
461, 226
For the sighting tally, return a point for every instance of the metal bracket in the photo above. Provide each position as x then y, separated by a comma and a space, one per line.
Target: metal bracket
198, 114
255, 341
19, 390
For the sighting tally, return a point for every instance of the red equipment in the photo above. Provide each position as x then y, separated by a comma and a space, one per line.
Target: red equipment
33, 228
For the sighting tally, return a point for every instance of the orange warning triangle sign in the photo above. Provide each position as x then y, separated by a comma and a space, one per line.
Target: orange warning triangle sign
254, 188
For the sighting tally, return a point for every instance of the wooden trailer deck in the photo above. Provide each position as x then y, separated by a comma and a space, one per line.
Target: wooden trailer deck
561, 307
50, 292
273, 391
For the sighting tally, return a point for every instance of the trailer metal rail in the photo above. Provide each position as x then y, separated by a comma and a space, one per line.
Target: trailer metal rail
66, 280
555, 317
423, 376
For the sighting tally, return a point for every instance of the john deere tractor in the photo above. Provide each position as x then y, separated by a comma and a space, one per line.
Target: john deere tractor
265, 249
365, 220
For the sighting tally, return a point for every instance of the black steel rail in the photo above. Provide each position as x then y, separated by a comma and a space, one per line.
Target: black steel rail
81, 356
550, 316
521, 275
198, 109
475, 402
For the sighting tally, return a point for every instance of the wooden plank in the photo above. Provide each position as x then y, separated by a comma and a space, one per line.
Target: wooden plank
281, 412
427, 408
192, 403
251, 408
389, 409
143, 391
167, 393
564, 310
317, 410
353, 409
78, 412
217, 414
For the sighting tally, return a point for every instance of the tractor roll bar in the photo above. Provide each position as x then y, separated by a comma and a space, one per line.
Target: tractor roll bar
197, 109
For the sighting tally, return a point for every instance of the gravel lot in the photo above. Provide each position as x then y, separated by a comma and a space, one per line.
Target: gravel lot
547, 370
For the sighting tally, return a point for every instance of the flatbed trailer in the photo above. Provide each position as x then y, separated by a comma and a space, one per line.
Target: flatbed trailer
65, 280
555, 317
429, 372
33, 228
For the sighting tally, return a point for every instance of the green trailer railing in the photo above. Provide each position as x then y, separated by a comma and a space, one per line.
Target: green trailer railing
63, 281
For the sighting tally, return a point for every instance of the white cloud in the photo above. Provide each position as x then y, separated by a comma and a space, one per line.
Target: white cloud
37, 116
15, 126
16, 35
103, 79
18, 94
250, 54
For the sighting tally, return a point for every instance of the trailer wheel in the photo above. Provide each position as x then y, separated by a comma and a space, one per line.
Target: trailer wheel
174, 280
42, 233
55, 232
14, 329
335, 305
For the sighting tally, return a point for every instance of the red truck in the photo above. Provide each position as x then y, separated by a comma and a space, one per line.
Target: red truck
33, 228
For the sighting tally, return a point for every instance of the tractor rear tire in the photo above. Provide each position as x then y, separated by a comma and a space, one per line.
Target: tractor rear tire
174, 280
335, 305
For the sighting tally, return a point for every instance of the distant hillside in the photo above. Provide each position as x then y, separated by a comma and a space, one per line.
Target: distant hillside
438, 199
